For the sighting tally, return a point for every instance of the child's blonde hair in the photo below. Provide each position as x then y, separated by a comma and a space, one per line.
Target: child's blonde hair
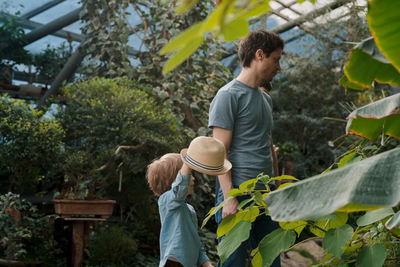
162, 172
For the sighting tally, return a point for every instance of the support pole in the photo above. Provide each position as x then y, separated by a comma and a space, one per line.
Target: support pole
31, 25
65, 74
41, 9
78, 242
52, 26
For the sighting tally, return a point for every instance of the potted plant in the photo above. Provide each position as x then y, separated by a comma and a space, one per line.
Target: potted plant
79, 195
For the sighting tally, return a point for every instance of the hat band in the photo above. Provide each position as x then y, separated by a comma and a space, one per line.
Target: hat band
202, 166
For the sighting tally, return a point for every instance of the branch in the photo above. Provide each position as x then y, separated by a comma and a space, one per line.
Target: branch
116, 153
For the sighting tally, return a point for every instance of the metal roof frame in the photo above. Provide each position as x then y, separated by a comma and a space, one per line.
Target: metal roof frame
55, 28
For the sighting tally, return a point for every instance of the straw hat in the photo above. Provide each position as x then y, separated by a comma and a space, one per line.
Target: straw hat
206, 155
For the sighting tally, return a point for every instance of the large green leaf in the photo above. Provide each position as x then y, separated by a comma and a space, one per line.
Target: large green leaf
366, 64
235, 29
233, 239
373, 182
373, 256
179, 41
374, 216
335, 239
384, 23
347, 84
182, 54
373, 119
272, 244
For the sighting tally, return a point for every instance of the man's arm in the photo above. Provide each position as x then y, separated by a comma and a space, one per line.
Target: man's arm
225, 180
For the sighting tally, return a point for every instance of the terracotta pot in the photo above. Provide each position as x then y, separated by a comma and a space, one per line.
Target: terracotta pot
68, 208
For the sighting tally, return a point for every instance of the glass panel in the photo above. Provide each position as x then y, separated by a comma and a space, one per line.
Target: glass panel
57, 11
22, 6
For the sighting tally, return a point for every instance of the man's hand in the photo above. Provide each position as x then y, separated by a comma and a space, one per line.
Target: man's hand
207, 264
230, 207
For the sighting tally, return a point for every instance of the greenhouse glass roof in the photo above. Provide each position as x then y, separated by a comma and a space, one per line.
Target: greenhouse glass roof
61, 22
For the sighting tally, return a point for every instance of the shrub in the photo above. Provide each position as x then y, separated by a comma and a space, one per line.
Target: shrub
100, 115
28, 142
24, 232
114, 246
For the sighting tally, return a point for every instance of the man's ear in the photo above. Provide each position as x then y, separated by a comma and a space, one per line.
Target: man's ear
259, 54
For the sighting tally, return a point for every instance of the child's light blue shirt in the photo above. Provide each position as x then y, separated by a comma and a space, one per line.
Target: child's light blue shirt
179, 238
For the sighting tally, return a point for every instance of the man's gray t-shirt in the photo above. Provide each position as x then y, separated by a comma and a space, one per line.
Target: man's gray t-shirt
247, 112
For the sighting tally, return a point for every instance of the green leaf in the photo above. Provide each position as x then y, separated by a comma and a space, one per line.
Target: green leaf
233, 239
297, 226
236, 192
349, 85
345, 159
335, 239
264, 179
185, 5
363, 67
214, 210
257, 260
284, 177
183, 39
230, 221
272, 244
374, 181
339, 219
182, 54
235, 29
249, 184
384, 23
244, 203
369, 121
373, 256
374, 216
260, 8
368, 46
394, 221
214, 20
352, 247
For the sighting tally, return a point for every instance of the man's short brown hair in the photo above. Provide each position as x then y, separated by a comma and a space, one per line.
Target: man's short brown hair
267, 41
162, 172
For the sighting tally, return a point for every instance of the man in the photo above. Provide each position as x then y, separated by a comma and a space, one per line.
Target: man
241, 117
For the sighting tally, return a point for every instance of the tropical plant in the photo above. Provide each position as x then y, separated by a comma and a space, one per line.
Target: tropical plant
343, 242
377, 119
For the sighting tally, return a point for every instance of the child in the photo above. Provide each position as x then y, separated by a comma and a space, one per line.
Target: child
170, 178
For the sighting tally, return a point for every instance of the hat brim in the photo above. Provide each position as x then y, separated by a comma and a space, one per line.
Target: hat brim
227, 165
